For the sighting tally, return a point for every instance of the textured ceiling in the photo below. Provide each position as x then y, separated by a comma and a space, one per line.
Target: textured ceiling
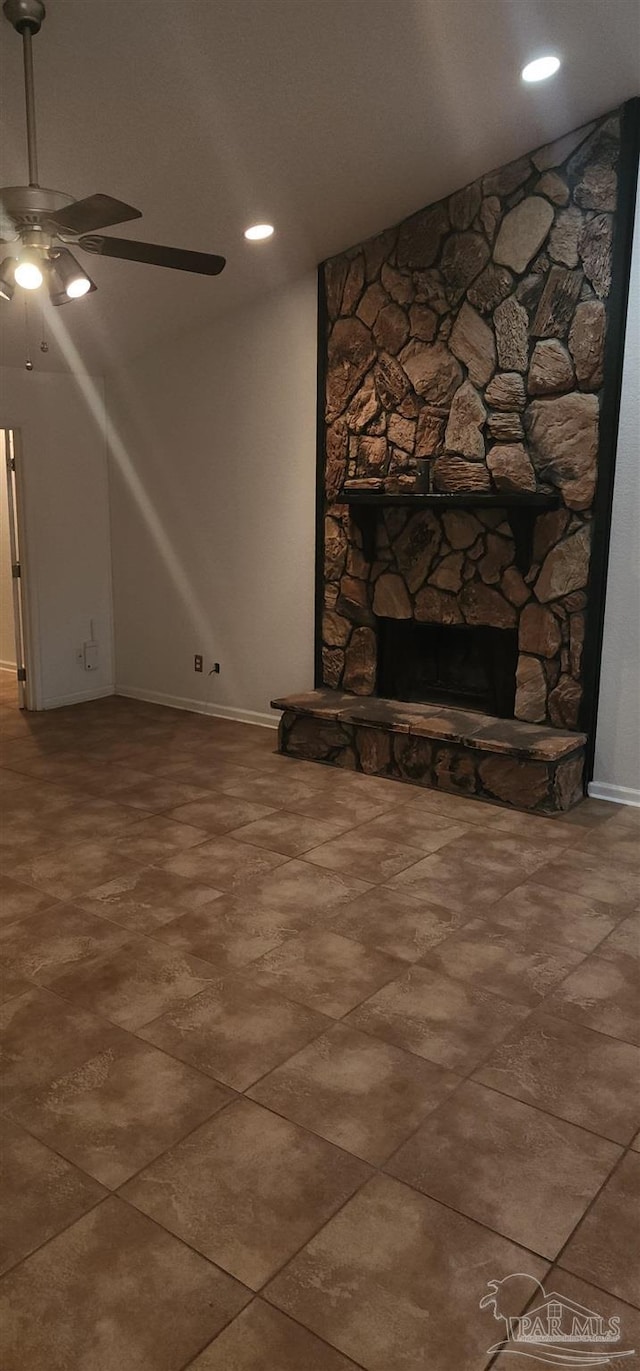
330, 118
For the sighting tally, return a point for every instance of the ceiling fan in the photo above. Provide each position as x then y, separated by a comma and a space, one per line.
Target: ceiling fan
38, 223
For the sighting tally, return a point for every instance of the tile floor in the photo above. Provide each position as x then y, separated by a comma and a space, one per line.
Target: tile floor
296, 1061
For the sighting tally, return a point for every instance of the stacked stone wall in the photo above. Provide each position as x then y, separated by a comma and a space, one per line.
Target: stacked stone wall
464, 354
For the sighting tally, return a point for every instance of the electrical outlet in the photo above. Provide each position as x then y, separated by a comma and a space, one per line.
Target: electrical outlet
90, 656
198, 664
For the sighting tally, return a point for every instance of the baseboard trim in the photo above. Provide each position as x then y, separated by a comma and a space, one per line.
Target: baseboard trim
242, 716
617, 794
78, 697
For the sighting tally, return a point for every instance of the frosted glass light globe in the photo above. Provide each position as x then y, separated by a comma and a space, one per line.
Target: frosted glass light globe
258, 232
77, 287
541, 69
28, 274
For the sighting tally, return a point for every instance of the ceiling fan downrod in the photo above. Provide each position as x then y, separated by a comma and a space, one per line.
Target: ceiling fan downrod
26, 17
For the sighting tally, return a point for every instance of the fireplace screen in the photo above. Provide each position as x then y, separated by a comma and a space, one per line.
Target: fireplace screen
461, 665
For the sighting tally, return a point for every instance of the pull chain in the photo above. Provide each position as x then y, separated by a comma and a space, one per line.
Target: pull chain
44, 346
27, 339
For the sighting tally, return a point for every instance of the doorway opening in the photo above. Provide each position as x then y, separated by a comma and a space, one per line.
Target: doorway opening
15, 681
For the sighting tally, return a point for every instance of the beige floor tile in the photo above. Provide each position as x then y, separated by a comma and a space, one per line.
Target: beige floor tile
12, 984
355, 1091
572, 1072
456, 807
18, 900
605, 1247
290, 834
614, 843
624, 942
297, 886
446, 1021
152, 839
408, 825
235, 1031
540, 912
514, 966
521, 1172
367, 856
602, 994
88, 818
247, 1189
224, 863
40, 1194
395, 1280
348, 810
135, 983
209, 772
325, 971
232, 931
586, 874
399, 924
43, 1036
67, 871
155, 795
550, 834
472, 876
274, 763
147, 898
338, 781
592, 814
119, 1109
43, 945
277, 791
219, 813
113, 1291
114, 781
263, 1339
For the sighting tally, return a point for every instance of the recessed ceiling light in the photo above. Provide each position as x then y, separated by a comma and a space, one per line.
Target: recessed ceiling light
541, 69
257, 232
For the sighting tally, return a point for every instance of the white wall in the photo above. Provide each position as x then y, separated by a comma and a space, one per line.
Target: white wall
60, 418
617, 759
7, 637
212, 479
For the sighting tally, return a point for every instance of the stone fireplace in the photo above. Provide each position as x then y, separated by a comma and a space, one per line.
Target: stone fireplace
463, 355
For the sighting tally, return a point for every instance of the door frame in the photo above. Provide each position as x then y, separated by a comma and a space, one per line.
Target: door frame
28, 606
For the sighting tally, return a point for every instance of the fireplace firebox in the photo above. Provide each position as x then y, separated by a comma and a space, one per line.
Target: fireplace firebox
455, 664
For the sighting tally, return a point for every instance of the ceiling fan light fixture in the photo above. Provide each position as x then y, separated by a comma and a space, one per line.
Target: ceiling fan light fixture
258, 232
7, 283
69, 281
73, 277
541, 69
28, 270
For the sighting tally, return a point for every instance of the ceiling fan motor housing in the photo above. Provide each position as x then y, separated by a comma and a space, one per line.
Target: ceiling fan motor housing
25, 14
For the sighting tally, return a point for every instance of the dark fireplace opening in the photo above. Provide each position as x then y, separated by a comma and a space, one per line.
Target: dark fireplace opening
455, 664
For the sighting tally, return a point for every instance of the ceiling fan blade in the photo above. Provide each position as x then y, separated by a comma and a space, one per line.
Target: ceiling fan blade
96, 211
205, 263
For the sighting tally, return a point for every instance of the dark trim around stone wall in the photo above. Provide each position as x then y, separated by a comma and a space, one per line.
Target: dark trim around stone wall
320, 496
609, 422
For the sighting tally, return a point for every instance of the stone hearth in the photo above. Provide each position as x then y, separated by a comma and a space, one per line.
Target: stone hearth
525, 766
